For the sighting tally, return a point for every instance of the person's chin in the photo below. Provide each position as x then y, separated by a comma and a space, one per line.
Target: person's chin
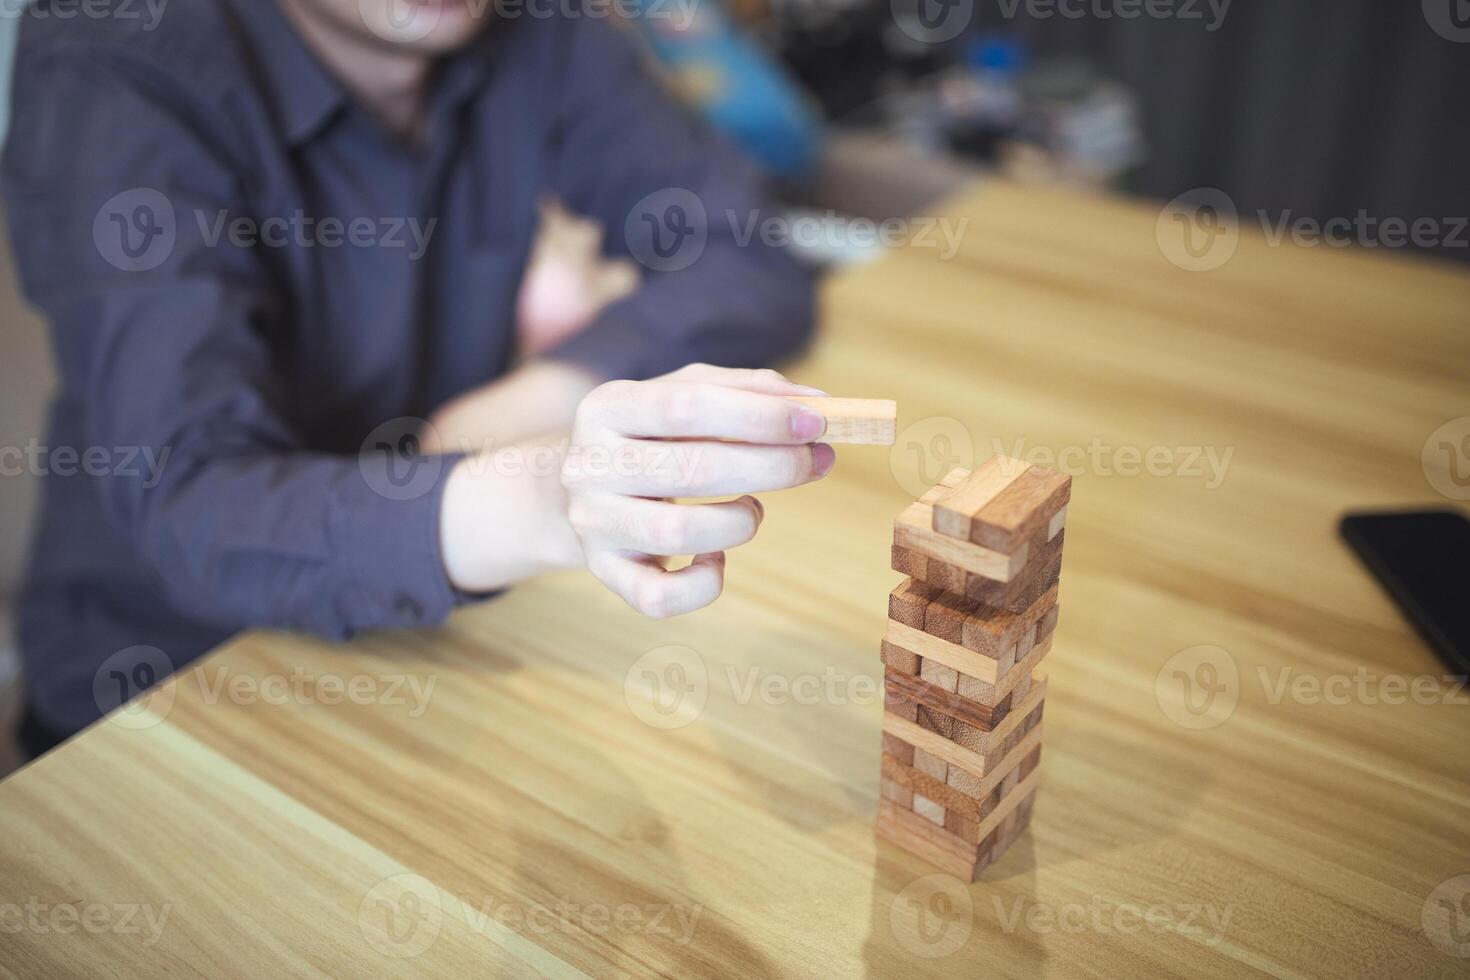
435, 26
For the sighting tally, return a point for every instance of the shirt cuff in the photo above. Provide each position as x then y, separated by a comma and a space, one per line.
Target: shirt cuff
388, 516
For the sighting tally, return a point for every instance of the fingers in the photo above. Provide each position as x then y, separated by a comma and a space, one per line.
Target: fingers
654, 527
694, 469
649, 588
694, 409
762, 380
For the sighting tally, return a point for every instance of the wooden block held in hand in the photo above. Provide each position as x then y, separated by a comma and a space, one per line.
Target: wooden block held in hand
856, 421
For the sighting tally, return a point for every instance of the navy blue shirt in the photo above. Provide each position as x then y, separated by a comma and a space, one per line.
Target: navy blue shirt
246, 276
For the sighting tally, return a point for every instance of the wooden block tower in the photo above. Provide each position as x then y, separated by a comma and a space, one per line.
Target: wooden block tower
966, 632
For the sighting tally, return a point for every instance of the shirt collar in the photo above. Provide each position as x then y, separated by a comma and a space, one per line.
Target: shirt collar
302, 92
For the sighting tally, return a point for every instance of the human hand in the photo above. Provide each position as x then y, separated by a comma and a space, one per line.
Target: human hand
701, 431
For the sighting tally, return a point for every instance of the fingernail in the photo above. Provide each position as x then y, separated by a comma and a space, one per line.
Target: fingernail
823, 456
809, 390
806, 424
760, 508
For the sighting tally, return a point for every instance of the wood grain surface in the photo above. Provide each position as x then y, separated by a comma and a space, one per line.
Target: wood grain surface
551, 785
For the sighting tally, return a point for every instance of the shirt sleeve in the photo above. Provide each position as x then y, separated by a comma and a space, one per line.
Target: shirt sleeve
683, 204
167, 341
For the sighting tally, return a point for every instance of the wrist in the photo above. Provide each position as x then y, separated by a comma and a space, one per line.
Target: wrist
503, 519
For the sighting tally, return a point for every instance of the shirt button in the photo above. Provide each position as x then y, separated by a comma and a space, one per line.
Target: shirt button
409, 609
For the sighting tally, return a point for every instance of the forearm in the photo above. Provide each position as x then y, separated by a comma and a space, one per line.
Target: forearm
536, 398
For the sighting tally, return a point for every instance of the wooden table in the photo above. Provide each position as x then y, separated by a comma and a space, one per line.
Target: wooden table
526, 818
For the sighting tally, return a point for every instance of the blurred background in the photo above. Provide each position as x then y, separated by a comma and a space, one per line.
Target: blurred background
878, 108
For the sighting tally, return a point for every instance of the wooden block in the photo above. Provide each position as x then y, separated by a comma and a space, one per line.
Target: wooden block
929, 810
931, 647
936, 844
936, 674
931, 765
891, 826
990, 629
909, 602
857, 421
975, 798
926, 695
1032, 583
945, 615
1021, 510
898, 748
898, 659
912, 530
983, 750
900, 707
953, 513
899, 794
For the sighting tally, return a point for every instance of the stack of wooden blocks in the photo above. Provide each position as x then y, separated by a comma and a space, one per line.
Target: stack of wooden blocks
966, 632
